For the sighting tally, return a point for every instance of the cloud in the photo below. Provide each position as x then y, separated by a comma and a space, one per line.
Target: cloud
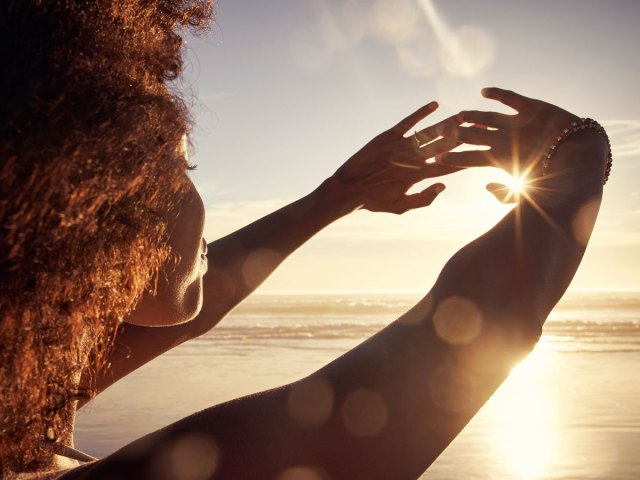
425, 44
615, 238
624, 136
211, 188
227, 217
619, 228
449, 221
452, 221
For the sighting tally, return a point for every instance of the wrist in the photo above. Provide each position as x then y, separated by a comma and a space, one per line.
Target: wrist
580, 130
581, 159
576, 172
337, 197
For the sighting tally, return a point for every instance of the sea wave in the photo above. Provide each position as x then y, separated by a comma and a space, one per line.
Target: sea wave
324, 305
383, 304
574, 336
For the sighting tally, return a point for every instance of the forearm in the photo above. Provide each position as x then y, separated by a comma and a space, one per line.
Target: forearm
241, 261
389, 407
396, 401
376, 178
525, 263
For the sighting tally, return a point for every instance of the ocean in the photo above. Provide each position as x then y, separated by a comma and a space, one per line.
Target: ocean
570, 410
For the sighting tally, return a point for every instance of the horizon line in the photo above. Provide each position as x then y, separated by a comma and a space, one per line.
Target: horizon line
322, 292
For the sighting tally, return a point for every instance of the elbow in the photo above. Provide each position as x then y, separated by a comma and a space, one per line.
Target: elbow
204, 322
491, 334
528, 333
519, 331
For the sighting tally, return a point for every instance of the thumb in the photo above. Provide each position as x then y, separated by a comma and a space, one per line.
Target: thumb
503, 193
420, 199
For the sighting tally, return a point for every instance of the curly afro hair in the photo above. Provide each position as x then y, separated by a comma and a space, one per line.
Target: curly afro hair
90, 152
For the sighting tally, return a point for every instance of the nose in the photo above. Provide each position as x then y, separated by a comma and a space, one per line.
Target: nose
204, 246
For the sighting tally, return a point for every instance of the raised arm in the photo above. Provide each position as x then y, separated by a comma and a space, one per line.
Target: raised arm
388, 408
376, 178
551, 225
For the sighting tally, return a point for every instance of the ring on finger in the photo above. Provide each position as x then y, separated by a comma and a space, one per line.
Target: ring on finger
415, 137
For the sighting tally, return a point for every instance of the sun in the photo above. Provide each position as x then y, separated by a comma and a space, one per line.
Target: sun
509, 188
516, 184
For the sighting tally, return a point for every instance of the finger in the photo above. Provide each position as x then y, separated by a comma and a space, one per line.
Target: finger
418, 155
511, 99
503, 193
469, 158
418, 200
409, 122
408, 163
490, 119
432, 170
416, 172
413, 175
471, 135
439, 146
428, 134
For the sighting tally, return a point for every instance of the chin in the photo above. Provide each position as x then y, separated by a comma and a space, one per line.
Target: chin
193, 306
188, 307
165, 310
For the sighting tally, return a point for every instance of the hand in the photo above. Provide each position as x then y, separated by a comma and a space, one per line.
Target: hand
516, 142
378, 176
503, 193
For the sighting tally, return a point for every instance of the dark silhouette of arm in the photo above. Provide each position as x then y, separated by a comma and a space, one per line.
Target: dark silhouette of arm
389, 407
375, 178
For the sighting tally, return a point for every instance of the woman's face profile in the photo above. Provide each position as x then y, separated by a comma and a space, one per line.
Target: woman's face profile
179, 291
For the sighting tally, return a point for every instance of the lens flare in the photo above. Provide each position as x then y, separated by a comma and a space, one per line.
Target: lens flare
517, 184
466, 51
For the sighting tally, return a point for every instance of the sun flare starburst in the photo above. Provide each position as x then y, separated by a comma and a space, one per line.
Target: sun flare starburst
517, 184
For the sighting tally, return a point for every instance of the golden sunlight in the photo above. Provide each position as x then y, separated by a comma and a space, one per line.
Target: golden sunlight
525, 436
516, 184
508, 187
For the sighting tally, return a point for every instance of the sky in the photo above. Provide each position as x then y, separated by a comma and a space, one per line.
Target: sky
285, 91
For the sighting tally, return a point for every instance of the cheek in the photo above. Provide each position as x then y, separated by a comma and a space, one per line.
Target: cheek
178, 300
191, 300
185, 281
182, 289
179, 294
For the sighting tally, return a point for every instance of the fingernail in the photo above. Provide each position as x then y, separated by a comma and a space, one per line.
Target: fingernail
440, 157
433, 105
485, 91
440, 188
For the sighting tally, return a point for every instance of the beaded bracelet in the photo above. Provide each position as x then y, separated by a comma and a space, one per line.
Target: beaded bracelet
582, 124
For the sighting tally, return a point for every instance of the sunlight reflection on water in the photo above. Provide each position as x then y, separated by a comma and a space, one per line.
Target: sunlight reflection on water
568, 411
524, 416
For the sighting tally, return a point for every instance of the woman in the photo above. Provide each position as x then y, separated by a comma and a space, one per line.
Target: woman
102, 241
